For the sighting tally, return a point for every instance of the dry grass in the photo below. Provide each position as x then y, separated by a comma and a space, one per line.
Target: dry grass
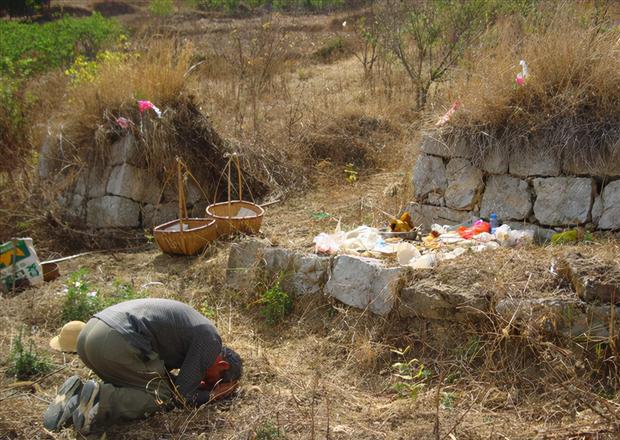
569, 99
325, 371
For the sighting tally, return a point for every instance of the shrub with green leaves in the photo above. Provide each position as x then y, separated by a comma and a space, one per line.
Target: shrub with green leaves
25, 363
268, 431
84, 300
28, 48
161, 8
276, 304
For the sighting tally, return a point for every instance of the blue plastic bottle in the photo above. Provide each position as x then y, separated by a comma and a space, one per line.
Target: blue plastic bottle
493, 222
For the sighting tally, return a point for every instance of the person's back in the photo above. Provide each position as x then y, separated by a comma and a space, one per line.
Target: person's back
166, 327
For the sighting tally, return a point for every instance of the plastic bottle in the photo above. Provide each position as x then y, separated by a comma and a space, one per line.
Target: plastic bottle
493, 222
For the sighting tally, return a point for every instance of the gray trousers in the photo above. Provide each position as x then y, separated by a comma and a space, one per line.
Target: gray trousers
134, 385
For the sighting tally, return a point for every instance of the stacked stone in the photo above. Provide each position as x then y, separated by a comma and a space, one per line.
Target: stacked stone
527, 185
125, 194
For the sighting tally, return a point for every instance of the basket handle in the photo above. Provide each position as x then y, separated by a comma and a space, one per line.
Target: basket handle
182, 207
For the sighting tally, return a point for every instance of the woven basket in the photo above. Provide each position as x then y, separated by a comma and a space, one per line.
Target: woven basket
185, 236
236, 215
228, 220
197, 233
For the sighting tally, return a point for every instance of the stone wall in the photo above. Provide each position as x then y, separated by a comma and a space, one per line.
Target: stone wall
528, 185
375, 286
123, 193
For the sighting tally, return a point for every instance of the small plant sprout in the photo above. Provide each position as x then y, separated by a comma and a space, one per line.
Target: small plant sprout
25, 363
276, 304
411, 375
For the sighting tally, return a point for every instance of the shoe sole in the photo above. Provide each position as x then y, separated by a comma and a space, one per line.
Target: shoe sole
87, 400
54, 412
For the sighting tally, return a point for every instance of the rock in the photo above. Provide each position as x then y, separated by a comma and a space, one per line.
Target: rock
48, 163
126, 150
298, 273
426, 215
435, 199
244, 262
97, 181
134, 183
112, 212
155, 215
429, 175
607, 165
565, 317
427, 299
562, 201
464, 184
76, 207
495, 161
311, 273
365, 283
609, 206
434, 144
597, 210
593, 278
508, 197
527, 162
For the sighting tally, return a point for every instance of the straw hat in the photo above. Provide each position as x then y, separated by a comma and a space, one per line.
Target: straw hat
67, 339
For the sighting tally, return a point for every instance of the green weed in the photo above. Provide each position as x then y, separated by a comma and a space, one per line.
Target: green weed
268, 431
28, 48
411, 375
447, 400
161, 8
26, 363
207, 310
84, 300
276, 304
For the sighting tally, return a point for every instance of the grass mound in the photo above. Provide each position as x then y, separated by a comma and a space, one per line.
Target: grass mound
569, 98
101, 110
350, 138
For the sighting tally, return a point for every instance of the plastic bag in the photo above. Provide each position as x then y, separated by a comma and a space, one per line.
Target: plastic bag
328, 243
477, 228
405, 252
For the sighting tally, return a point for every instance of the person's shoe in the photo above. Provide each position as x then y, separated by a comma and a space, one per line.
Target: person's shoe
88, 405
53, 417
67, 414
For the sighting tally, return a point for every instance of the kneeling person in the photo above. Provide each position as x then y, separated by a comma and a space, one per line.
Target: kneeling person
132, 346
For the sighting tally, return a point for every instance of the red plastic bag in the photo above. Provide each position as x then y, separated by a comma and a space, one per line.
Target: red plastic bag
478, 227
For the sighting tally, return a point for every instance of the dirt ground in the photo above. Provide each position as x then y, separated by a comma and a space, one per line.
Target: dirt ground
324, 372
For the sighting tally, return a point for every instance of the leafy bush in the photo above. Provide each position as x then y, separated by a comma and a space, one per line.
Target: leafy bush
83, 300
26, 363
161, 8
411, 375
268, 431
28, 48
276, 304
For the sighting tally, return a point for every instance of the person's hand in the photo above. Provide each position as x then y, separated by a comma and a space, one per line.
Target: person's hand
223, 389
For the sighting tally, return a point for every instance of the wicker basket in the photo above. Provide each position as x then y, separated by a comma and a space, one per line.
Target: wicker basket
236, 215
230, 216
185, 236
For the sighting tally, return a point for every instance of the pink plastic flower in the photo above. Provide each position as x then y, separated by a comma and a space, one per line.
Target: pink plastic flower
144, 105
520, 79
123, 122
